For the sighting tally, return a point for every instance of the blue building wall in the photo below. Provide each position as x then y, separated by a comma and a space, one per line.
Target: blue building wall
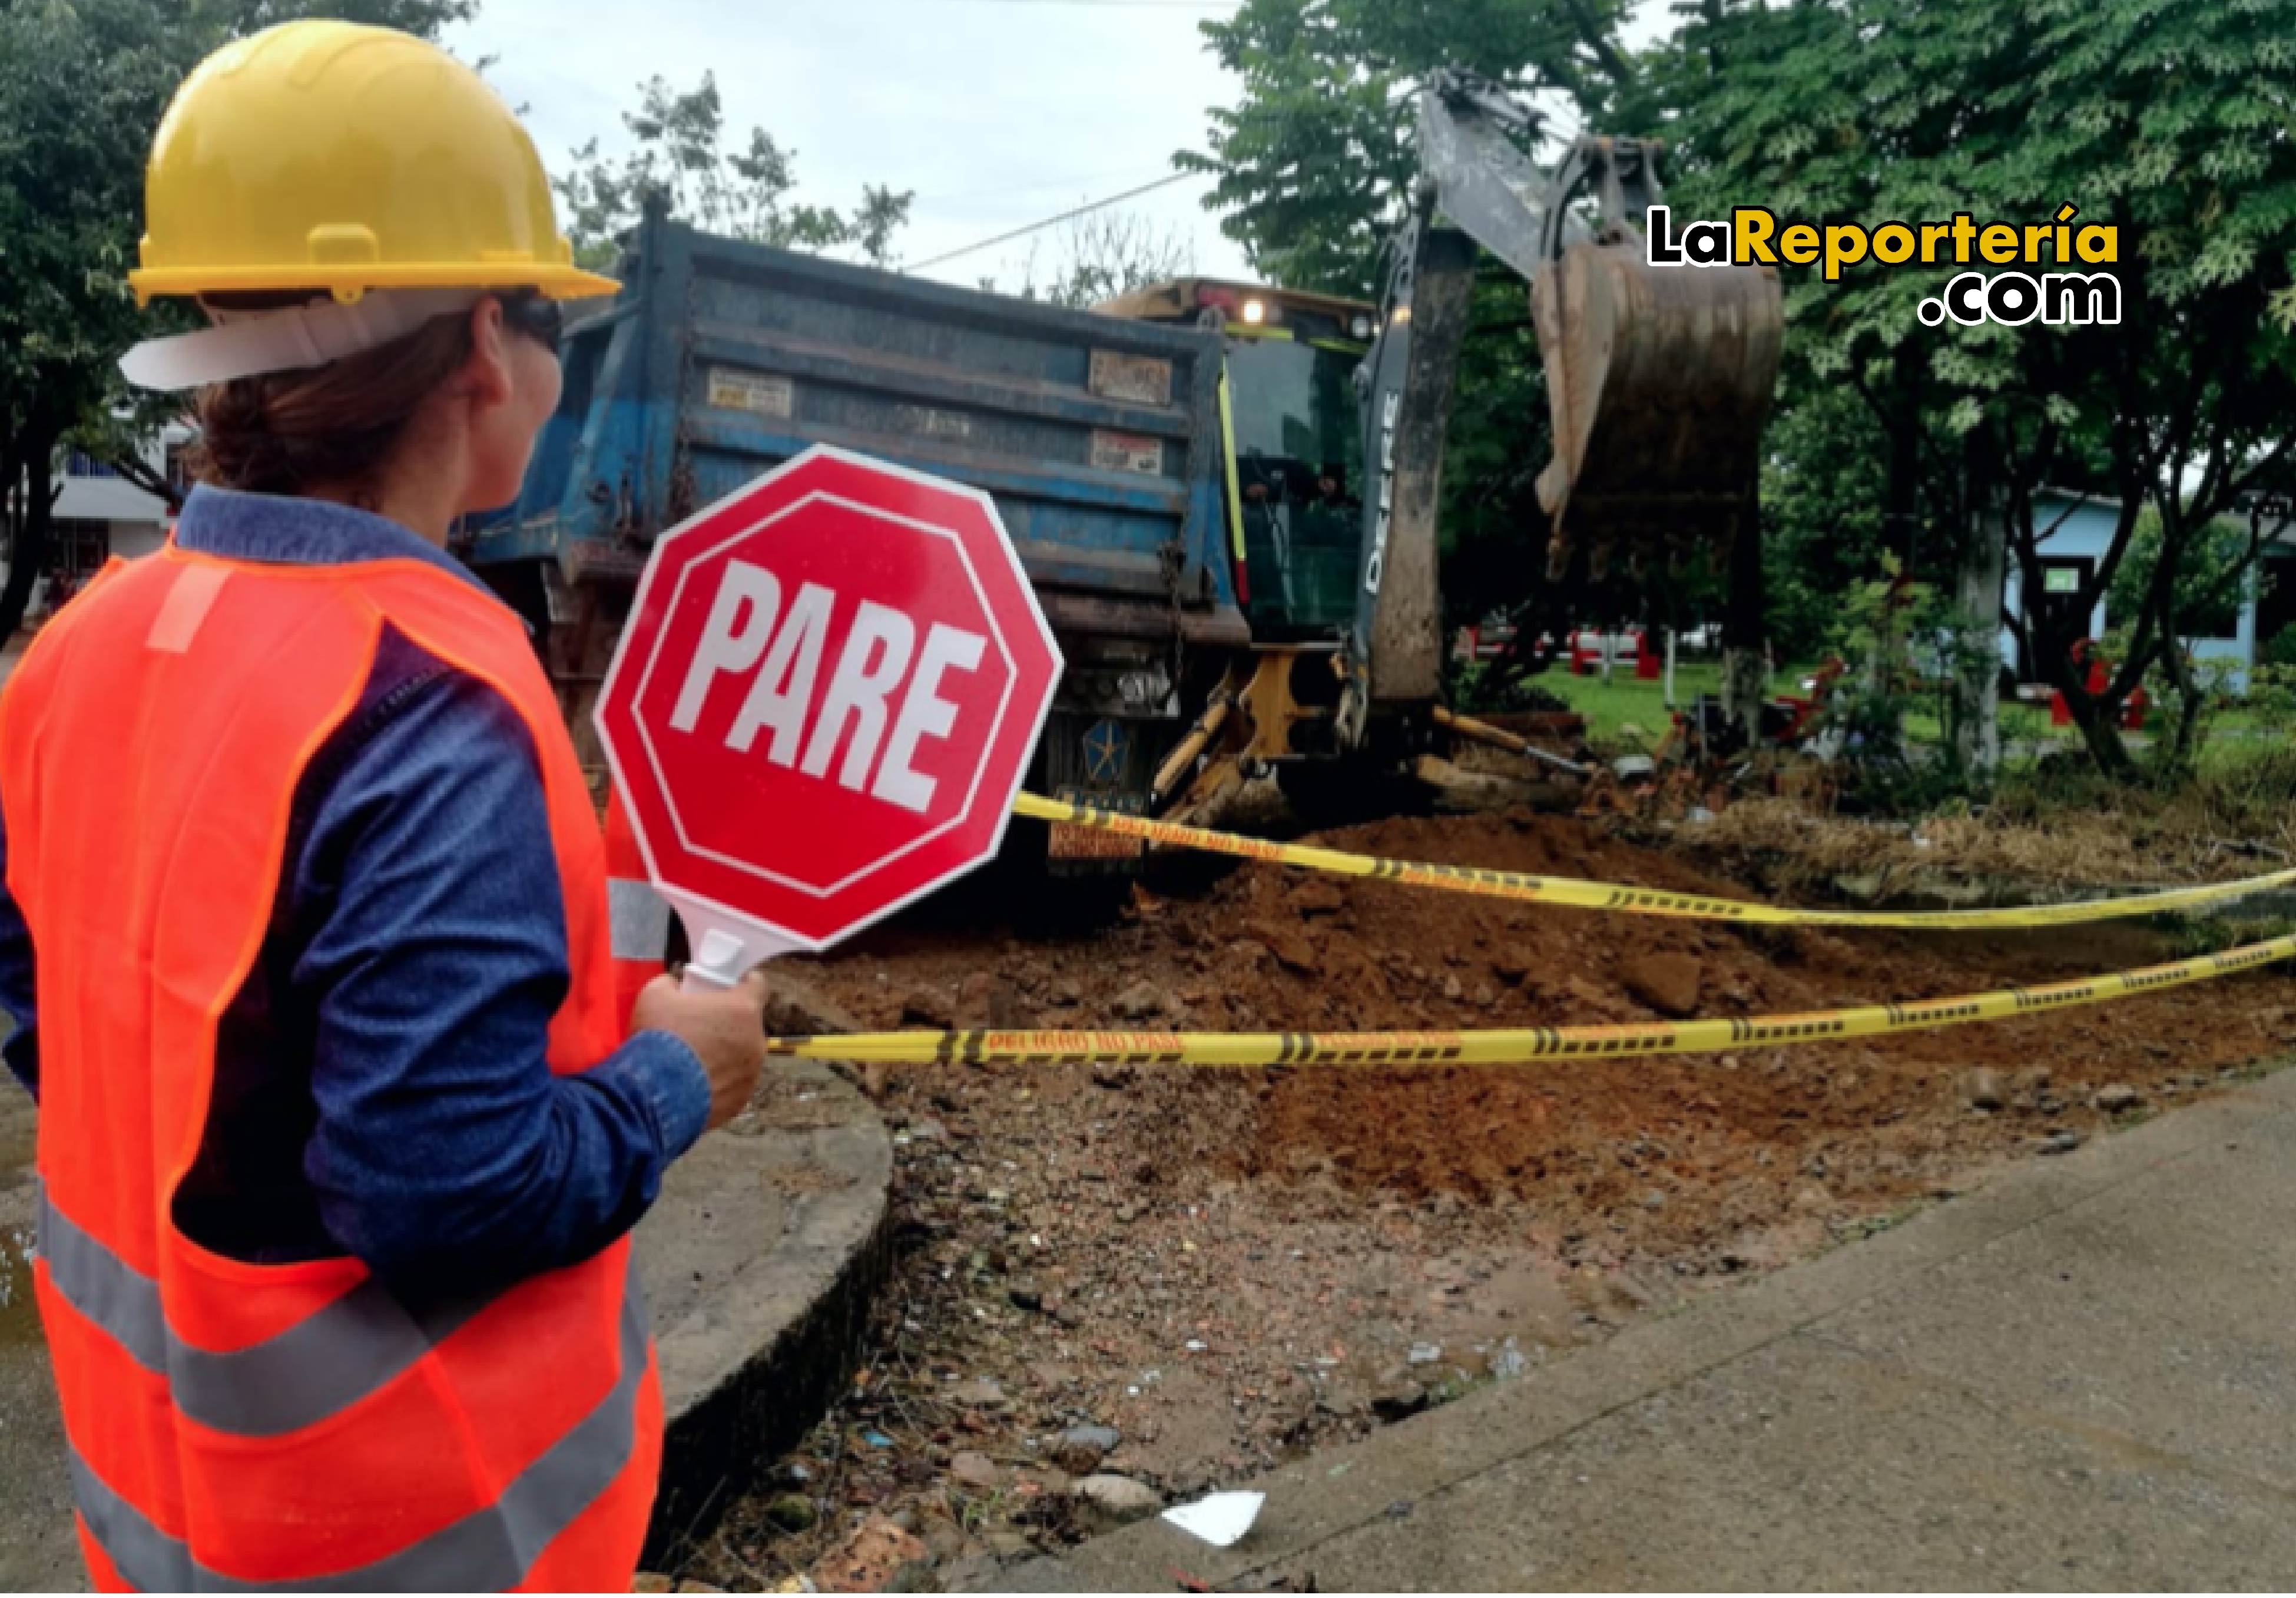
2083, 530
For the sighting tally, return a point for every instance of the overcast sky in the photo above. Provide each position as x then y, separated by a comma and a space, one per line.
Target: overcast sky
996, 113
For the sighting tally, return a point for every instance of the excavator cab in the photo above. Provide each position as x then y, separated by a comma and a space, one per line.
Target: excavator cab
1291, 439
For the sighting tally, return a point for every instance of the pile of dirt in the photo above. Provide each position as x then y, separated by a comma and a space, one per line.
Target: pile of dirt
1270, 949
1787, 846
1226, 1268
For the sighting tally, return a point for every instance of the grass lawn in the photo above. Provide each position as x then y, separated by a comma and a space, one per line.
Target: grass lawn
1612, 708
1622, 703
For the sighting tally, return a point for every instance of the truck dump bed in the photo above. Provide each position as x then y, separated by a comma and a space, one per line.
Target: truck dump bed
1097, 437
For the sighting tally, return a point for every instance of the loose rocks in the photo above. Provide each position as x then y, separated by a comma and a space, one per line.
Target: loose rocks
977, 1471
1115, 1501
1669, 983
1081, 1448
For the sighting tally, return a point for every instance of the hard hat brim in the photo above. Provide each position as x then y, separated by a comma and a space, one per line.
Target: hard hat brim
552, 282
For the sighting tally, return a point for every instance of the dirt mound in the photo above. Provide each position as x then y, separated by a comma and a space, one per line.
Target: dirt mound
1275, 949
1225, 1269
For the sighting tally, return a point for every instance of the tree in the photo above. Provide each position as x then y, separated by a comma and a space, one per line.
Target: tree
1103, 255
82, 86
1313, 162
680, 156
2161, 118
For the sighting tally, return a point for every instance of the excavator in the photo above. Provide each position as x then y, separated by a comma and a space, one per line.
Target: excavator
1229, 520
1335, 415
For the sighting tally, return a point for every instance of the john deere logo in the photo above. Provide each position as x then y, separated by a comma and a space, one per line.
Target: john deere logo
1105, 746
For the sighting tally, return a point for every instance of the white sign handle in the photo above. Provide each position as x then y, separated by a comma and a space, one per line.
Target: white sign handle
723, 949
716, 964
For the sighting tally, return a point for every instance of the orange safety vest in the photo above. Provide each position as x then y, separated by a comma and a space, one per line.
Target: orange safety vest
235, 1426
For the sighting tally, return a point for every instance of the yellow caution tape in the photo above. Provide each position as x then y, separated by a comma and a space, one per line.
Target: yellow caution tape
1513, 1047
1632, 901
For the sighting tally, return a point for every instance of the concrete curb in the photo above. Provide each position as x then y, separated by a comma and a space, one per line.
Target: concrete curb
761, 1261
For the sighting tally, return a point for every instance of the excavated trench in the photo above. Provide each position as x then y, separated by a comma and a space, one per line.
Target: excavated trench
1227, 1267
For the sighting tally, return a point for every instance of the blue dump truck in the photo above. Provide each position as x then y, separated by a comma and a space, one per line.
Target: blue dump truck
1108, 443
1226, 496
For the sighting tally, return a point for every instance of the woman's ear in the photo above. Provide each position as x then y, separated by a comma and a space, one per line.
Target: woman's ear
487, 376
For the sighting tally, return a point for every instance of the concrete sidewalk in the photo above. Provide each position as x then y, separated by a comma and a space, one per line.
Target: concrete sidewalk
2082, 1376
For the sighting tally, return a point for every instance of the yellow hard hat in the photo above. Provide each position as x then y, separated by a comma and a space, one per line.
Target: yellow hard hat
330, 156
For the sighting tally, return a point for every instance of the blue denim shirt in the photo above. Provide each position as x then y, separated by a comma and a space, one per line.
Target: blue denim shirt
381, 1081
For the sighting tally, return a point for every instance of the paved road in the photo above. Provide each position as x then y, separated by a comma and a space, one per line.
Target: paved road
2083, 1376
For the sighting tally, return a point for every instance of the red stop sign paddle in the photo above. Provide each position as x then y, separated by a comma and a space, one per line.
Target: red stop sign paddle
824, 700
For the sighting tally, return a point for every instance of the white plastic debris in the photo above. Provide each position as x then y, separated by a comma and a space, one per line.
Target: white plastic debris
1221, 1519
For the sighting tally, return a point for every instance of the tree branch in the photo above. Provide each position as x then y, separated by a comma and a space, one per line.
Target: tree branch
1590, 33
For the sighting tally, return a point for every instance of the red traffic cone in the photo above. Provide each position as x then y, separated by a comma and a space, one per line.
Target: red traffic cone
639, 916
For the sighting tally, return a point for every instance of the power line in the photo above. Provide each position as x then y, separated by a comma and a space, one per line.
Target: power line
1084, 181
1108, 5
1066, 215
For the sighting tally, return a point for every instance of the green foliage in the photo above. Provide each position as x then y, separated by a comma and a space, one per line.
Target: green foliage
422, 17
1868, 706
2209, 581
2271, 701
1902, 645
71, 162
680, 159
1822, 526
1314, 159
83, 84
1493, 533
2162, 117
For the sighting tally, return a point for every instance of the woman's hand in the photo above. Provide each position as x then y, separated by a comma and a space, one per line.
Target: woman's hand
725, 1028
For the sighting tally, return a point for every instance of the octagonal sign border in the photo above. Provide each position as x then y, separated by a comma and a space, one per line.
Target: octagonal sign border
1003, 703
638, 774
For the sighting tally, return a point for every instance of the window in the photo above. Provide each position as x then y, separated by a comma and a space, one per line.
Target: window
78, 549
2061, 580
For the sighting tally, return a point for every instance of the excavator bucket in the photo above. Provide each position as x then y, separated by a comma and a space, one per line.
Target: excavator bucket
1659, 379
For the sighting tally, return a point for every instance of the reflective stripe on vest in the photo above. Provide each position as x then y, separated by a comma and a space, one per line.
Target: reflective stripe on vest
486, 1552
298, 1379
640, 919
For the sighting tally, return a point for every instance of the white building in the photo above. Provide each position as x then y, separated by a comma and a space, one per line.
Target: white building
99, 513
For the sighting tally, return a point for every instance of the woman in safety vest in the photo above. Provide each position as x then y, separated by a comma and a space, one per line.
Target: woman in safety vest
306, 935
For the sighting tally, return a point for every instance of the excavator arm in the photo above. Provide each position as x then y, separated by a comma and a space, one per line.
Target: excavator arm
1659, 379
1473, 174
